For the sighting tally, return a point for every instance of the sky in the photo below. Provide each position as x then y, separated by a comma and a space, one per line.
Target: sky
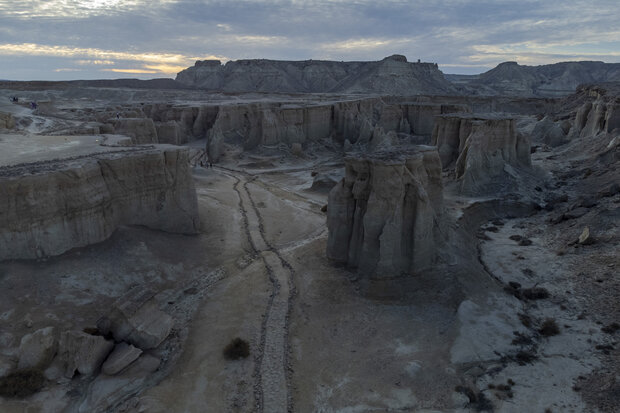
103, 39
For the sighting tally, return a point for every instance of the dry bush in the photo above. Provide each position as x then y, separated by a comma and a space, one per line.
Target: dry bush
237, 349
22, 383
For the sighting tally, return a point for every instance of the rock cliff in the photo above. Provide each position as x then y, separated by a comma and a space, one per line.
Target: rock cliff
392, 75
599, 112
483, 149
52, 206
383, 217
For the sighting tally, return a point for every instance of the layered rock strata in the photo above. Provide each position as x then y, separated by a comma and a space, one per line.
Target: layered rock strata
392, 75
481, 149
600, 113
52, 206
384, 215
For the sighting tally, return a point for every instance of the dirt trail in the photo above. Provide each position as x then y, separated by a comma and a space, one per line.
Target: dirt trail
272, 385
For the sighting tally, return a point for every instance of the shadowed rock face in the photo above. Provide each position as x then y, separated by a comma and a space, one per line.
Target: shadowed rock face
483, 149
61, 204
392, 75
599, 114
383, 217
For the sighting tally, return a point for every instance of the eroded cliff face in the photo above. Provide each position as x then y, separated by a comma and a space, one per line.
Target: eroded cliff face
484, 150
599, 114
384, 216
392, 75
53, 206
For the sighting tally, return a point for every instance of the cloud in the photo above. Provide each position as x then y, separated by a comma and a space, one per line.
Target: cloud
133, 71
164, 35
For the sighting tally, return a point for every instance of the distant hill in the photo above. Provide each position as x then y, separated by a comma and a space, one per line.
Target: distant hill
513, 79
392, 75
162, 83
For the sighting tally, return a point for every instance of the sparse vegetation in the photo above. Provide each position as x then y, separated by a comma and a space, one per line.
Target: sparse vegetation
526, 320
521, 339
535, 293
611, 328
549, 328
525, 357
22, 383
237, 349
477, 400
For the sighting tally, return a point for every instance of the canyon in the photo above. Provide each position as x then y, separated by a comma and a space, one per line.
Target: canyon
319, 236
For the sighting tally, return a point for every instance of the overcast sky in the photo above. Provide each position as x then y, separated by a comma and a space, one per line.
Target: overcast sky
91, 39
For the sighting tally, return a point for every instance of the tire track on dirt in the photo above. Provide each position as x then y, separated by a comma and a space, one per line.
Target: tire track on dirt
272, 392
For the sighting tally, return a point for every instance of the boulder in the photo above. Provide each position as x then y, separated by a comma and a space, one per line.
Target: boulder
384, 215
82, 352
585, 238
135, 318
122, 356
38, 349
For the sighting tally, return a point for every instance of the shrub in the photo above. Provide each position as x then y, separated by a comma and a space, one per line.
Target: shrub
549, 328
237, 349
535, 293
22, 383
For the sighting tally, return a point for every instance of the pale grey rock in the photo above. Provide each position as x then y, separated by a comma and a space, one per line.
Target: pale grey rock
37, 349
485, 150
135, 318
384, 216
141, 130
107, 391
68, 204
122, 356
82, 352
600, 113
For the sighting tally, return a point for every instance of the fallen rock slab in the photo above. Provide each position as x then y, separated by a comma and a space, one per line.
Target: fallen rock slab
134, 318
82, 352
37, 349
122, 356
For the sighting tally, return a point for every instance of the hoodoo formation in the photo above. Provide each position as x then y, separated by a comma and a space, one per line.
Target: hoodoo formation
297, 236
384, 215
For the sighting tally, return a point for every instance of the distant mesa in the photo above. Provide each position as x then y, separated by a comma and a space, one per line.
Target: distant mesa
393, 75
